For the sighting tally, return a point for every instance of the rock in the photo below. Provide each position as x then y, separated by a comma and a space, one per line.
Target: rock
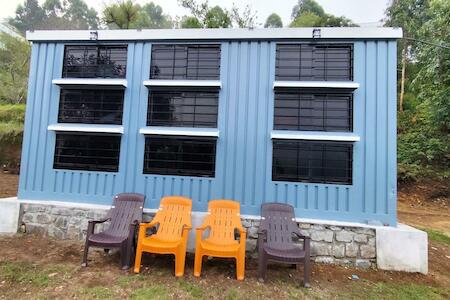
320, 249
28, 218
61, 211
363, 263
324, 260
367, 251
351, 249
318, 236
360, 238
61, 222
368, 231
344, 236
335, 228
43, 219
339, 250
372, 241
304, 225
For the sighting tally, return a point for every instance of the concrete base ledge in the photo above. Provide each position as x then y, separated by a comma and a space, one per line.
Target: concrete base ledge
402, 248
9, 215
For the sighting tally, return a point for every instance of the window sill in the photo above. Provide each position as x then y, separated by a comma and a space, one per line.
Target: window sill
183, 83
77, 82
314, 136
317, 84
156, 130
118, 129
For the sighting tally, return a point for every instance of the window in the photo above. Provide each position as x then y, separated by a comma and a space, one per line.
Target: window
308, 161
194, 62
176, 155
91, 106
309, 62
319, 110
95, 61
87, 151
183, 108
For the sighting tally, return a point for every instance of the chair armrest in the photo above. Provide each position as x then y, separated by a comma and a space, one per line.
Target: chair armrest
152, 223
301, 236
99, 221
202, 228
92, 223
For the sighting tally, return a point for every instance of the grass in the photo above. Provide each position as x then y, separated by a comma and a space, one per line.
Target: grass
405, 291
232, 294
28, 273
437, 236
97, 292
193, 290
156, 292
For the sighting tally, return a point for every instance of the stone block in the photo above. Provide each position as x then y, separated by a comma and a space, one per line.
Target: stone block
322, 235
335, 228
304, 225
42, 218
360, 238
324, 260
339, 250
367, 231
351, 249
320, 249
363, 263
61, 222
29, 218
38, 229
367, 251
61, 211
344, 236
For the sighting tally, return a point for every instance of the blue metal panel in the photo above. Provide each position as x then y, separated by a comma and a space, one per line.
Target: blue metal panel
244, 147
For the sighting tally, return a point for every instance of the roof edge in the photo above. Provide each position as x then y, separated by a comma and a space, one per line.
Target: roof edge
217, 34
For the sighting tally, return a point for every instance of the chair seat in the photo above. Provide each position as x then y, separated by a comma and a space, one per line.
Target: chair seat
106, 238
207, 244
283, 254
156, 242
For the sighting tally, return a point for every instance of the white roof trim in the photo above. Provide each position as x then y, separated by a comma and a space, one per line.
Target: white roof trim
316, 84
315, 136
156, 130
91, 81
216, 34
86, 128
195, 83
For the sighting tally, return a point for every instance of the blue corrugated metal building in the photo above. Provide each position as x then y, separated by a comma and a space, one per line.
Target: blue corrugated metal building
301, 116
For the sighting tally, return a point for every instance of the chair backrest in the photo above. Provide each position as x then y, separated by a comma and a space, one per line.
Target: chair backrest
223, 218
278, 220
126, 208
174, 212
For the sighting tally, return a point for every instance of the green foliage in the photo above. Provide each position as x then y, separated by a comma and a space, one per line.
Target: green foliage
29, 273
190, 22
96, 292
193, 290
273, 21
437, 236
155, 292
14, 60
54, 14
308, 13
216, 17
396, 291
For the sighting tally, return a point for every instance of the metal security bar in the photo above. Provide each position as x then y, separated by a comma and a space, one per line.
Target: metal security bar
196, 62
315, 162
314, 62
180, 156
91, 106
183, 108
95, 61
313, 110
86, 151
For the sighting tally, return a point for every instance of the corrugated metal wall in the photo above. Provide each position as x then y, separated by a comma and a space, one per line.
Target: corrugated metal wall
244, 148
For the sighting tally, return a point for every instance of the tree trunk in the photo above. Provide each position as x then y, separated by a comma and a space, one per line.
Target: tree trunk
402, 82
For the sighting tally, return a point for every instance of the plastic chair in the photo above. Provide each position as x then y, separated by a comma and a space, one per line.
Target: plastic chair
275, 241
222, 220
125, 215
173, 222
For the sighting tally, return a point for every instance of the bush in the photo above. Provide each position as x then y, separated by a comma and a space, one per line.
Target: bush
11, 133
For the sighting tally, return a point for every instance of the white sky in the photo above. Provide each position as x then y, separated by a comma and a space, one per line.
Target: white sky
360, 11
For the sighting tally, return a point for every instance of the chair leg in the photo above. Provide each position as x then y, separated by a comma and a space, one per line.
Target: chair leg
262, 267
240, 267
125, 256
306, 272
180, 260
85, 254
137, 260
198, 262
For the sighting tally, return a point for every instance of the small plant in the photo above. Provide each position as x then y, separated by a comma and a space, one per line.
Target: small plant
437, 236
193, 290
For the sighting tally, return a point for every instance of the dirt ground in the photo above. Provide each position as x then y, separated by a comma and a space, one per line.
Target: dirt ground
41, 268
8, 185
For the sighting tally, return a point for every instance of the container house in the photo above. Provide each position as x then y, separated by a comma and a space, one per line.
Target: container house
305, 116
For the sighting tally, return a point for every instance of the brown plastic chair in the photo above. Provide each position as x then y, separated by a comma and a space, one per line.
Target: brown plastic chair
173, 221
125, 215
222, 220
275, 241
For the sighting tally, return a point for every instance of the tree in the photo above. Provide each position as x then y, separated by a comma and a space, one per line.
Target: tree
14, 59
156, 17
273, 21
190, 22
54, 14
216, 17
308, 13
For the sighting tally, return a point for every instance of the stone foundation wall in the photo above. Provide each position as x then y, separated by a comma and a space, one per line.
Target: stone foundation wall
329, 244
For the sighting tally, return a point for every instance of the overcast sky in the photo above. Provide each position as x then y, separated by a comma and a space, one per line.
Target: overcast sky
360, 11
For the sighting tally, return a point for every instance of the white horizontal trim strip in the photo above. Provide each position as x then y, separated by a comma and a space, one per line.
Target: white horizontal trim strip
316, 84
195, 83
156, 130
216, 34
315, 136
86, 128
91, 81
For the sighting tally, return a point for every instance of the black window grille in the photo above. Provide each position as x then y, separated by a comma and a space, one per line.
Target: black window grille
185, 156
91, 106
87, 151
311, 161
313, 110
95, 61
185, 62
333, 62
183, 108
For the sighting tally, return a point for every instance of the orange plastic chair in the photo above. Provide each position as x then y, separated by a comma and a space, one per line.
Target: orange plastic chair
222, 220
174, 220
